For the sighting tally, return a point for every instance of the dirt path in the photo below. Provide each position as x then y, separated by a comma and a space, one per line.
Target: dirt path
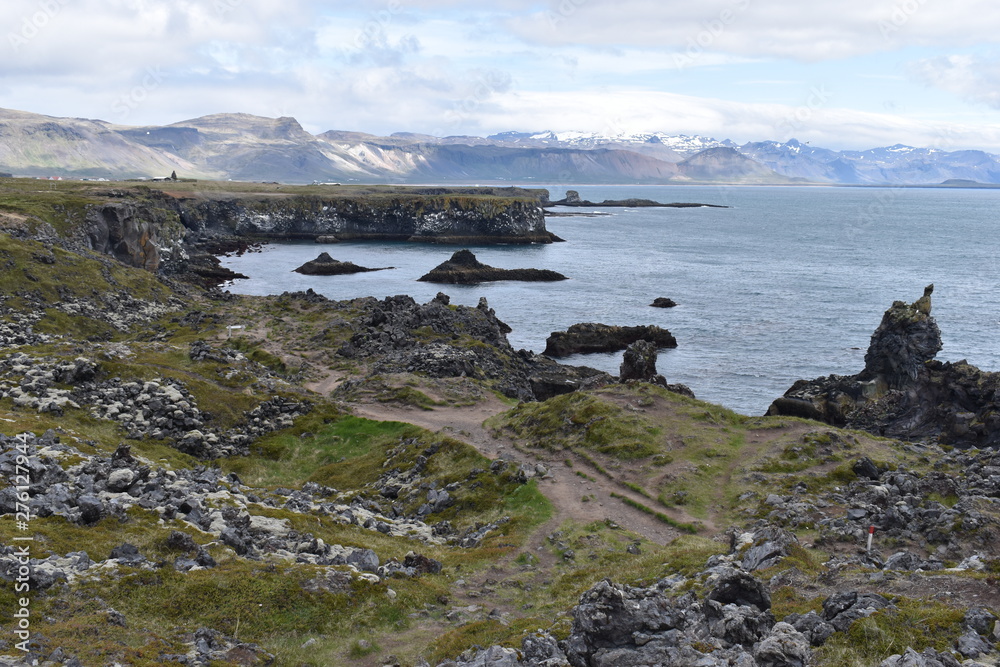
561, 484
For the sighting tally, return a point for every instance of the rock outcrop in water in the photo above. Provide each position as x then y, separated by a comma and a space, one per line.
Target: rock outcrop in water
589, 337
324, 265
572, 198
464, 269
903, 391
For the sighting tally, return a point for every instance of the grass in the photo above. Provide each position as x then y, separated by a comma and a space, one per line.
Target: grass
670, 521
581, 421
912, 623
637, 488
295, 456
487, 632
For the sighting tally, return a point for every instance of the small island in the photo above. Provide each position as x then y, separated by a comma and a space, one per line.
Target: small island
324, 265
464, 269
572, 198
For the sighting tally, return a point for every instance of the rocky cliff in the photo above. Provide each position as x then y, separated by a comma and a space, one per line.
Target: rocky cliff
432, 219
179, 229
143, 236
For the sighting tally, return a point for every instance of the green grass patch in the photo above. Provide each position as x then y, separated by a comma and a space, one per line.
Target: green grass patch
332, 455
488, 632
913, 623
408, 396
582, 421
638, 489
670, 521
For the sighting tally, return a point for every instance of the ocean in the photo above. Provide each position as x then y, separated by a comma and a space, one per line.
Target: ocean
787, 283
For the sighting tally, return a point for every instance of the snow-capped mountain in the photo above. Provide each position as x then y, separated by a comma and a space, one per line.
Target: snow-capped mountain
245, 147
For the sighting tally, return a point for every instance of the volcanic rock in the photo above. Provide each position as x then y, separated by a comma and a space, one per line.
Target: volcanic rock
324, 265
590, 337
464, 269
903, 392
639, 363
663, 302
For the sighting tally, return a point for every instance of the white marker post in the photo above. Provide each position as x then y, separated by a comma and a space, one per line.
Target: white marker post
230, 329
871, 532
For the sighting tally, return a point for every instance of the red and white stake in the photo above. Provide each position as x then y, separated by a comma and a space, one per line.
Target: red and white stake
871, 532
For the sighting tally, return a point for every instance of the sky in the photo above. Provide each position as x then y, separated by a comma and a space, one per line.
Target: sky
850, 74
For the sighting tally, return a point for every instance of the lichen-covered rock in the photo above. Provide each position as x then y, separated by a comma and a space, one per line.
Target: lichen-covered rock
398, 335
783, 647
639, 362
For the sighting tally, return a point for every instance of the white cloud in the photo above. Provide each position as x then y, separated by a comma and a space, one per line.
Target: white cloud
814, 120
972, 77
446, 67
805, 31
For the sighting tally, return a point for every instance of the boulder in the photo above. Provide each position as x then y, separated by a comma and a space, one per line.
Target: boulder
663, 302
549, 378
639, 362
464, 269
842, 609
784, 647
592, 337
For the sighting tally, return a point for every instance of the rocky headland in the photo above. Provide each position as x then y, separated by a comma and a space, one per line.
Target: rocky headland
213, 479
324, 265
464, 269
183, 227
903, 392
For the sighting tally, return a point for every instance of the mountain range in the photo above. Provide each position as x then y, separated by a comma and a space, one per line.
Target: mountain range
244, 147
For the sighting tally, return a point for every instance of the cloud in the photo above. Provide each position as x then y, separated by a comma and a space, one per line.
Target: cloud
801, 31
447, 67
815, 120
972, 77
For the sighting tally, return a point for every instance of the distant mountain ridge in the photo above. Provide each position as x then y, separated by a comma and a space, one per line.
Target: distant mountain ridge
252, 148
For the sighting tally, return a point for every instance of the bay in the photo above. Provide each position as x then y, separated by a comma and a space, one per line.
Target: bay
787, 283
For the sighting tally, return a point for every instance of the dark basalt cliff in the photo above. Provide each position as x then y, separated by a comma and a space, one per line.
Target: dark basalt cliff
903, 392
181, 233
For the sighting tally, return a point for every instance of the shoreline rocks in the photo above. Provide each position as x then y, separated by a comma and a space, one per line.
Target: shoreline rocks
464, 269
589, 337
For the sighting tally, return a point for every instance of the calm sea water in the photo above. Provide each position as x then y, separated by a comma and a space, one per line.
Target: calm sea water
788, 283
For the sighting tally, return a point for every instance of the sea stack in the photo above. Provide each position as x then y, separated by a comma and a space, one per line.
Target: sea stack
324, 265
464, 269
